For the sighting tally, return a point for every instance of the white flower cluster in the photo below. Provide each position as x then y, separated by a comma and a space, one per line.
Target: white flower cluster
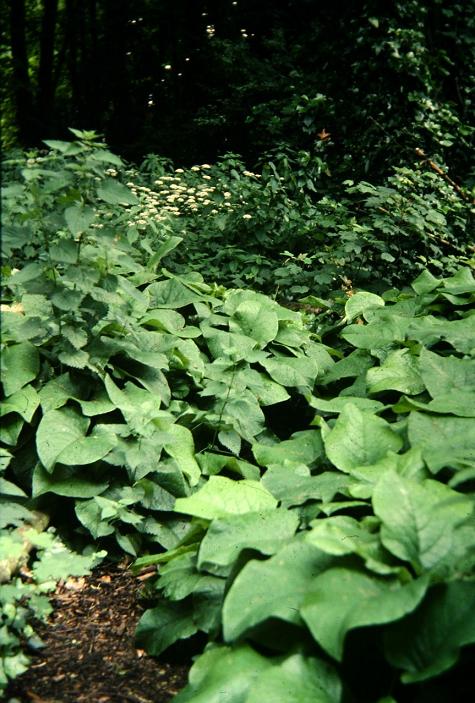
177, 195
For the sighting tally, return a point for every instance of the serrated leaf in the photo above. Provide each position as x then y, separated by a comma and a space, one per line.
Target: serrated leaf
76, 336
79, 218
59, 563
76, 358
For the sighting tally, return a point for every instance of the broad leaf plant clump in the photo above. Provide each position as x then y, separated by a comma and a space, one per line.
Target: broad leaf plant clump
304, 486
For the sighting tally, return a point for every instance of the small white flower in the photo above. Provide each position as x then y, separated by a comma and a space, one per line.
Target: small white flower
246, 217
179, 170
167, 67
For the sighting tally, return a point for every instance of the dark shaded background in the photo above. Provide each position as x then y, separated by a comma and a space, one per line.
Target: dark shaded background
382, 77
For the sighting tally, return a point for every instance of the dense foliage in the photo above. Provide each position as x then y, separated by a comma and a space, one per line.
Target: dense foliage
191, 80
304, 480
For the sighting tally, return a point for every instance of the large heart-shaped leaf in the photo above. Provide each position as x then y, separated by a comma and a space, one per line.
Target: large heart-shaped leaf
221, 497
342, 599
359, 438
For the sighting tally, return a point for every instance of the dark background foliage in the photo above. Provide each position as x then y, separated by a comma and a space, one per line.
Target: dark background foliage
192, 79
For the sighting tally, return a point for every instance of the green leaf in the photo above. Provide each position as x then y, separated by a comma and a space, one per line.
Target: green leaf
243, 413
255, 320
76, 336
60, 563
461, 282
399, 372
79, 218
232, 670
67, 481
461, 404
418, 519
76, 358
264, 531
379, 334
446, 374
292, 484
351, 366
359, 438
359, 303
342, 599
56, 393
179, 444
266, 391
24, 402
445, 441
272, 589
304, 447
172, 294
228, 344
160, 627
425, 283
297, 679
61, 437
339, 535
10, 429
115, 193
20, 365
427, 642
292, 371
222, 496
231, 440
57, 430
430, 330
336, 405
165, 248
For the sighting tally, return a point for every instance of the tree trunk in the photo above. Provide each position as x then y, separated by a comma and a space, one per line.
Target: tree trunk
27, 132
45, 99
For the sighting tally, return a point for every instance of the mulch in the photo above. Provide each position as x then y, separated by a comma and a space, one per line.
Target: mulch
89, 654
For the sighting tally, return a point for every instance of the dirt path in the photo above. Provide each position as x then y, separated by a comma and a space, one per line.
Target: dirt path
89, 654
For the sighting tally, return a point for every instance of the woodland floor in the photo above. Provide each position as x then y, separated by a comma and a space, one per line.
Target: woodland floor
89, 654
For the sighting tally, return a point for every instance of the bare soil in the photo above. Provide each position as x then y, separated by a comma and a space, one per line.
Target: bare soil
89, 654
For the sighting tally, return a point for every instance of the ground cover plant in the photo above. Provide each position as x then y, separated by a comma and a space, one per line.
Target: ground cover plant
304, 483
